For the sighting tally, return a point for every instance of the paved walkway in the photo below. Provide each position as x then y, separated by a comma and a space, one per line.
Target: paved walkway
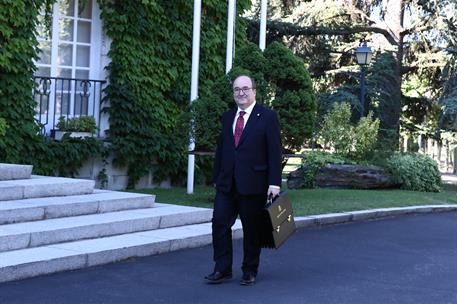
409, 259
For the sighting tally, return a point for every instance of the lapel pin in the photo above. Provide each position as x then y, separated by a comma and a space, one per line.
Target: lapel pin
258, 114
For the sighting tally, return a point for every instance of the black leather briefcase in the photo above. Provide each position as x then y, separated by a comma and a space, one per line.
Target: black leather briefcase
277, 221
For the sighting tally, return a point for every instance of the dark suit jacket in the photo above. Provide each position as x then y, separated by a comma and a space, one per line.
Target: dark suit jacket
256, 162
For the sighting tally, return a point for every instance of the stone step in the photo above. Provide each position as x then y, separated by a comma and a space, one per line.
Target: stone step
101, 201
12, 171
44, 186
31, 262
51, 231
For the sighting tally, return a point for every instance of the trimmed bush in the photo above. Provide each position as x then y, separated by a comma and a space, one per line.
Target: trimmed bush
414, 171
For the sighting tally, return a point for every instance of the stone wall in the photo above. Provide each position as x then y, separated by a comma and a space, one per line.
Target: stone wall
117, 177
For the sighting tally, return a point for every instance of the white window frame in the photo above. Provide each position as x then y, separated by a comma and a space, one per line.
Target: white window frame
95, 68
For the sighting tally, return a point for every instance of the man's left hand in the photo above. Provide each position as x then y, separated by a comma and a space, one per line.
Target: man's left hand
274, 191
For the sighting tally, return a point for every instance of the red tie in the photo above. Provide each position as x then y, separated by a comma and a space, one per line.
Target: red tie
239, 127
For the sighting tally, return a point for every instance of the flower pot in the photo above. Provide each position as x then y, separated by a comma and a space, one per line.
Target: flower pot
76, 134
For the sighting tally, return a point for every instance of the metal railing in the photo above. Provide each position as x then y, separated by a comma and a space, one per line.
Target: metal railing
67, 97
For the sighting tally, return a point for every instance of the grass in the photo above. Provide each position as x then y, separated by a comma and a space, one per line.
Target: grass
320, 201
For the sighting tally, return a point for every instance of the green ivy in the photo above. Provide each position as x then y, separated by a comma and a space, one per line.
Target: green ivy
149, 79
3, 127
18, 41
20, 141
149, 84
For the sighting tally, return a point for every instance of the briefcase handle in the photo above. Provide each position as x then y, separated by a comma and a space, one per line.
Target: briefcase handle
270, 199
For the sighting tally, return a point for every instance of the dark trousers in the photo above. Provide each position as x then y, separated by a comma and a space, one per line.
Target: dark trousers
227, 207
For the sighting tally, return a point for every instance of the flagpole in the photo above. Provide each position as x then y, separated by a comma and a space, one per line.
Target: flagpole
263, 25
230, 35
194, 91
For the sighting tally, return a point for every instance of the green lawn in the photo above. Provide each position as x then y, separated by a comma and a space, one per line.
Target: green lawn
319, 201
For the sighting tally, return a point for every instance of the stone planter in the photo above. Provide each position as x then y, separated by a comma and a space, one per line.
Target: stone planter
57, 135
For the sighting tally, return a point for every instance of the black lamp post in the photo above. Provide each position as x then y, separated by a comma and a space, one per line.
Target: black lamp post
363, 54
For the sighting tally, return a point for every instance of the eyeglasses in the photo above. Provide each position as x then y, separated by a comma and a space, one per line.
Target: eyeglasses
244, 90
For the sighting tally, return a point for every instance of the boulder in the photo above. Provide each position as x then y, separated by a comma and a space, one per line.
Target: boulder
295, 179
353, 176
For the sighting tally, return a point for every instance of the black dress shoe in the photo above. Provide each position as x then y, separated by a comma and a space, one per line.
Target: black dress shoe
247, 279
218, 277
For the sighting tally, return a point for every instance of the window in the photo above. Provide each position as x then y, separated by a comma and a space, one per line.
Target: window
69, 62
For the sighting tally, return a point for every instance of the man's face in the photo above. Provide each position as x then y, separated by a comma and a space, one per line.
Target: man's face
243, 92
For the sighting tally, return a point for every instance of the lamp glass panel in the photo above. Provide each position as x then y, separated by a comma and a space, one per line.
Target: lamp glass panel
361, 59
369, 56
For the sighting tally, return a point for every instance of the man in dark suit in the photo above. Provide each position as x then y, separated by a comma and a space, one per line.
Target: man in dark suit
247, 169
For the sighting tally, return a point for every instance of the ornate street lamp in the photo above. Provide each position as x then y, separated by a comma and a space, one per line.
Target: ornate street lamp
363, 54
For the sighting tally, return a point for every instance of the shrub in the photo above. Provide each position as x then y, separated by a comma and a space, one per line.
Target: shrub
414, 171
355, 142
292, 95
77, 124
315, 160
365, 135
337, 130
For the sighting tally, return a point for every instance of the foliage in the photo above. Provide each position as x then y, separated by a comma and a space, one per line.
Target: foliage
413, 40
66, 157
149, 78
19, 20
448, 117
3, 126
315, 160
337, 129
355, 142
21, 142
326, 102
416, 172
365, 134
384, 96
282, 83
293, 95
77, 124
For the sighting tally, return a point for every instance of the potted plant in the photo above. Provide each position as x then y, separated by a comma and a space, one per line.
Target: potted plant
81, 126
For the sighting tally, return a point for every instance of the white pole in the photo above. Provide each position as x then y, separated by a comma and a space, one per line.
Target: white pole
263, 24
194, 89
230, 35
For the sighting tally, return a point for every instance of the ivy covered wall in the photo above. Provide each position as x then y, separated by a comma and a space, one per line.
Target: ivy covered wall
148, 91
149, 78
17, 49
20, 141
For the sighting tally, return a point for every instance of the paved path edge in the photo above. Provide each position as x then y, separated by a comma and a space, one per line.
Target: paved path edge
370, 214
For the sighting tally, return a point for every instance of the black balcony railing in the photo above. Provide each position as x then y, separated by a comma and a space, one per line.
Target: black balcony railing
68, 97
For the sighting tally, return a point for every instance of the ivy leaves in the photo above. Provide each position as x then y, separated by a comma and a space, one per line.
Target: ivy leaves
149, 79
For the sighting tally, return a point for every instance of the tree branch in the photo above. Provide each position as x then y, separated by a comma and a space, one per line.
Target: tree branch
285, 28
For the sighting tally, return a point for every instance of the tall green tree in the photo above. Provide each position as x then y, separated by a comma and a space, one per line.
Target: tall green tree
325, 32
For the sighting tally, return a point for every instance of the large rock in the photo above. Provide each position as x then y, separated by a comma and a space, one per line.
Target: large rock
295, 179
353, 176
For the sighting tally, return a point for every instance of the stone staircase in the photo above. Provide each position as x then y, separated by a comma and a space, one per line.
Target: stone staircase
52, 224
